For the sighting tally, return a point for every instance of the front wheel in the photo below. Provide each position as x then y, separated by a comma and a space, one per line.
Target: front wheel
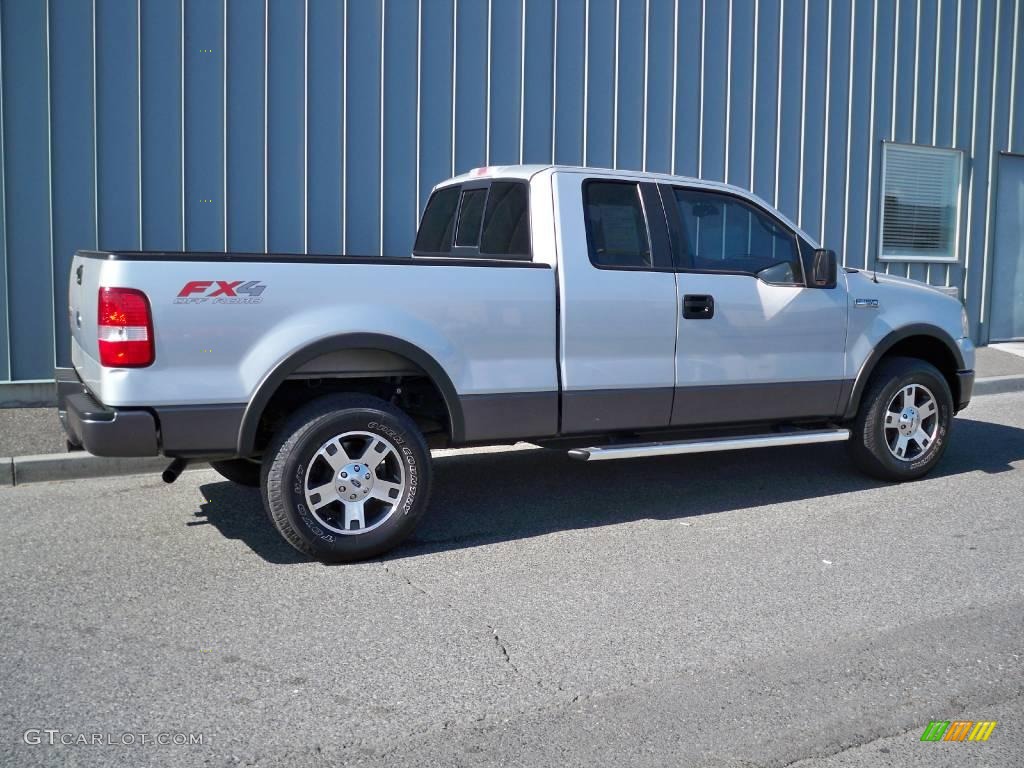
346, 478
902, 426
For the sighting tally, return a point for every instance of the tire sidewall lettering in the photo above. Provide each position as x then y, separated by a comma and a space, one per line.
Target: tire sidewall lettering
935, 449
411, 466
300, 505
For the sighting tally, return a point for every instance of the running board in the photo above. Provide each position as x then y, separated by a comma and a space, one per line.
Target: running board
640, 450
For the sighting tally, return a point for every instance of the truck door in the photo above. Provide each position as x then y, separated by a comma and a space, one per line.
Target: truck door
617, 304
755, 344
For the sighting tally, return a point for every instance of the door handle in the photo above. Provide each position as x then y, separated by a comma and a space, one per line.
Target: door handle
698, 306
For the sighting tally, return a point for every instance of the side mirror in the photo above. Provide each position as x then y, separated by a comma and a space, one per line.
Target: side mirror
823, 271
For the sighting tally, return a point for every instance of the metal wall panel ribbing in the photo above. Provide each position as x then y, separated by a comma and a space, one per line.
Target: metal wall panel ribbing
398, 158
5, 336
161, 144
246, 129
321, 125
27, 175
73, 193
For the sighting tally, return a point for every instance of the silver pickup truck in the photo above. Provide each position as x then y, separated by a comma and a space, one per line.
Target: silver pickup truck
610, 314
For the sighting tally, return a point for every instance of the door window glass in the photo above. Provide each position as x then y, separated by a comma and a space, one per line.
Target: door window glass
724, 234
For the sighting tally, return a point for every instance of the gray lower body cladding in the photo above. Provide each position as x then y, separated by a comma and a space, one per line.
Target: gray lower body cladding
608, 410
508, 416
775, 401
200, 430
211, 431
535, 414
633, 409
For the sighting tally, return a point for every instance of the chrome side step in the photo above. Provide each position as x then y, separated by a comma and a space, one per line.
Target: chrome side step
640, 450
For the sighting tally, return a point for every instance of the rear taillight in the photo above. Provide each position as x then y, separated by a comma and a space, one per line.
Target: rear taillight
125, 328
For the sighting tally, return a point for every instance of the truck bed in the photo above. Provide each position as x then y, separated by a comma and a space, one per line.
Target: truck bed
224, 321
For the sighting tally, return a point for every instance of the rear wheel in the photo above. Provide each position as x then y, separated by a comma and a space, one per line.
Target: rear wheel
902, 427
241, 471
346, 478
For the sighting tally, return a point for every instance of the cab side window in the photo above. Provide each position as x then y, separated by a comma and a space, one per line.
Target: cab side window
616, 228
721, 233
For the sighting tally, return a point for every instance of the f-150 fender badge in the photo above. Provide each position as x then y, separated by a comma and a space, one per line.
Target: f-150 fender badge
865, 303
221, 292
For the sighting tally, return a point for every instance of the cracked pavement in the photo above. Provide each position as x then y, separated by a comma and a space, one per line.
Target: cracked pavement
763, 608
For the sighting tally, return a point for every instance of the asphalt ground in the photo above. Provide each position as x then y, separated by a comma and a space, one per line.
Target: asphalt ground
28, 431
990, 361
756, 608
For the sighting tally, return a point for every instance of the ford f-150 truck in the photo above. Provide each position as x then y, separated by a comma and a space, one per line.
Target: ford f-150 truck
611, 314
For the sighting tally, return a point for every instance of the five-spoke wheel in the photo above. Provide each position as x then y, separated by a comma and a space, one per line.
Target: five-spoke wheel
904, 416
347, 477
354, 482
911, 422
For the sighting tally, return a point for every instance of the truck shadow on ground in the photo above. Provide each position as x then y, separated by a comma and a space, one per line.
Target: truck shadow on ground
485, 498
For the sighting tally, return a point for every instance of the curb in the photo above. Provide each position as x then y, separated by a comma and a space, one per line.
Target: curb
77, 466
997, 385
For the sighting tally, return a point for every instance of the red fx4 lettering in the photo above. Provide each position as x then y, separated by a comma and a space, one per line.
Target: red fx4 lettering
195, 286
230, 288
225, 288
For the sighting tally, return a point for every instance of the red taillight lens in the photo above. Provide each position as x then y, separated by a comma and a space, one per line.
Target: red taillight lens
125, 328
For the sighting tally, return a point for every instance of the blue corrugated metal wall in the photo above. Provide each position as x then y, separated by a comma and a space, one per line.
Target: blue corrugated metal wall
320, 125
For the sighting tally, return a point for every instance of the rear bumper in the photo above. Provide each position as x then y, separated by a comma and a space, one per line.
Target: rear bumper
195, 431
100, 429
966, 381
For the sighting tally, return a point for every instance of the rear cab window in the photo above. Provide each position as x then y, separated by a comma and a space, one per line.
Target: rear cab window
479, 219
471, 213
437, 226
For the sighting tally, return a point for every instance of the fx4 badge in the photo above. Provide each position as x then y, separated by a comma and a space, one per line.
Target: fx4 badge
221, 292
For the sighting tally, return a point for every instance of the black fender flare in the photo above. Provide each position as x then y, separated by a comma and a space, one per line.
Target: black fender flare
270, 383
888, 342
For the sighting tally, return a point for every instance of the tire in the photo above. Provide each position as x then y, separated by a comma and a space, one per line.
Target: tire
240, 471
878, 432
304, 457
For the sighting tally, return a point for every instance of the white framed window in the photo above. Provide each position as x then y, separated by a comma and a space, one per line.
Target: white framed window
920, 205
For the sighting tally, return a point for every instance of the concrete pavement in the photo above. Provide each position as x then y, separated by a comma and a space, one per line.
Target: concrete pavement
759, 608
999, 360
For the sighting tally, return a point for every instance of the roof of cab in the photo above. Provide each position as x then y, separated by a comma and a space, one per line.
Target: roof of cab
526, 172
495, 171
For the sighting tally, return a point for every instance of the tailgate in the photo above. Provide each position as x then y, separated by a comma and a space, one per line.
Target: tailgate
83, 289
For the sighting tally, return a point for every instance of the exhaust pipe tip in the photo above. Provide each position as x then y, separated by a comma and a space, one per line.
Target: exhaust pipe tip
174, 470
